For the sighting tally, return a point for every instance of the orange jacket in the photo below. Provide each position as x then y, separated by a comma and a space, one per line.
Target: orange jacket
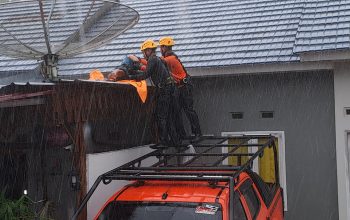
175, 66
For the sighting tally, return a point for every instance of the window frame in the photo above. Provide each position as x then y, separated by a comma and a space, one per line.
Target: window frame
281, 156
238, 196
244, 187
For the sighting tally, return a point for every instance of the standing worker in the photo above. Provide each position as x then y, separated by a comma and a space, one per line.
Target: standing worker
160, 76
182, 79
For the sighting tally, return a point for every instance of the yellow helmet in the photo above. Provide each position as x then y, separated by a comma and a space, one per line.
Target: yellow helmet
166, 41
148, 44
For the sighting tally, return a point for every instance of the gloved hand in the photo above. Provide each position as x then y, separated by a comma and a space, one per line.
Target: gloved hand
133, 74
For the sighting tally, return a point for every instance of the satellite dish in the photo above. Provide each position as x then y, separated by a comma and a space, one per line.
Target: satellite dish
53, 29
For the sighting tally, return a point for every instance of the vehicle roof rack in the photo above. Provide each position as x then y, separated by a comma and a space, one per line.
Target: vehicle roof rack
206, 164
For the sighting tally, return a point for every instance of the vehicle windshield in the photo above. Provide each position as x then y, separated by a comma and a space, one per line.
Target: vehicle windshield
161, 211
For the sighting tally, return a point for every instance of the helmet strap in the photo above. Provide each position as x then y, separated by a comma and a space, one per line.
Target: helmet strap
165, 50
148, 52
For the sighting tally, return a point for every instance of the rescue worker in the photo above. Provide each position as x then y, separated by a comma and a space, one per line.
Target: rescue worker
184, 86
161, 78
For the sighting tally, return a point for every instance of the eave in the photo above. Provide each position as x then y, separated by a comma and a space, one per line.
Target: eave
262, 68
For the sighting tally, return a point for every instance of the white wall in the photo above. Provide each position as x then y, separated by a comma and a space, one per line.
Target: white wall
342, 126
100, 163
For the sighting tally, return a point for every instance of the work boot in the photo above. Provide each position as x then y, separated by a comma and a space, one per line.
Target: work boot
159, 146
162, 146
190, 150
197, 138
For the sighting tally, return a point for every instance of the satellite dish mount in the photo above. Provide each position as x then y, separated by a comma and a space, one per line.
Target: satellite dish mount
50, 63
60, 29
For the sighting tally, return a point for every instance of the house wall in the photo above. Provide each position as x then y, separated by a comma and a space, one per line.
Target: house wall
48, 178
342, 126
303, 106
57, 171
100, 163
35, 160
12, 173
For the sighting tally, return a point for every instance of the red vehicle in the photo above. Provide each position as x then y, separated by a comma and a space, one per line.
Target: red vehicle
202, 187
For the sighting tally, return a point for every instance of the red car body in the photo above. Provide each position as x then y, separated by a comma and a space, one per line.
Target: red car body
201, 192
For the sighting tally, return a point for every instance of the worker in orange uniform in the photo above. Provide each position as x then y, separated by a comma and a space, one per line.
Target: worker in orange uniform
165, 93
184, 86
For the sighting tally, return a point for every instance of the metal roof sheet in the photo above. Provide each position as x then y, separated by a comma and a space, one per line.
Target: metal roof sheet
324, 25
213, 32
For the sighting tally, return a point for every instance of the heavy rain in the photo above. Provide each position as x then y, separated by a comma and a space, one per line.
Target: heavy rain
180, 109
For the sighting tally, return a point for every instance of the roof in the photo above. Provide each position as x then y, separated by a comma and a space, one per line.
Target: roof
214, 33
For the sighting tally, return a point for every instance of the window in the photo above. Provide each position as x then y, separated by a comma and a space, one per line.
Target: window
347, 111
237, 115
160, 211
250, 197
266, 114
238, 211
260, 166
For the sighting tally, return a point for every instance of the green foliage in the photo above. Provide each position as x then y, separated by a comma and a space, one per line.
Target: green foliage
15, 209
22, 209
46, 211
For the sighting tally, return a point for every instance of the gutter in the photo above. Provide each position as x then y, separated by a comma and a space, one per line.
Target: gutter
325, 55
246, 69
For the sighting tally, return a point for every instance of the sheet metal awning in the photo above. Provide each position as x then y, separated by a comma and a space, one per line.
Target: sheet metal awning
114, 106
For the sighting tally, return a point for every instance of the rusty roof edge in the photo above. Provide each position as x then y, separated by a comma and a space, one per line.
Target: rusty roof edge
109, 83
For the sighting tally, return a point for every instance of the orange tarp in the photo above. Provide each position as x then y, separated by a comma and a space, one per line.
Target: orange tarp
141, 86
96, 75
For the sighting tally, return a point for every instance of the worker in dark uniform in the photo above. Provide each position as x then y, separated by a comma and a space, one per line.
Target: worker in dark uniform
156, 70
184, 86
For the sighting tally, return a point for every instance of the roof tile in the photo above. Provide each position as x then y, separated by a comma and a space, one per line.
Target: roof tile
213, 32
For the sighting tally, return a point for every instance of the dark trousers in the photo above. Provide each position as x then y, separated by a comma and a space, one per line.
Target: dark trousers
186, 103
165, 105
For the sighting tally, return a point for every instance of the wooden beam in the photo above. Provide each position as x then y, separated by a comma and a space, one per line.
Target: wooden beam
17, 96
22, 102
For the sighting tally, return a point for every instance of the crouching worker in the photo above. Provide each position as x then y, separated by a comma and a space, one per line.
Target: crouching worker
131, 64
157, 71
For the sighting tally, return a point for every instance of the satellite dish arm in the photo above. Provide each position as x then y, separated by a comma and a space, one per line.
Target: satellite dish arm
88, 23
90, 9
18, 40
12, 52
44, 27
72, 49
49, 18
97, 36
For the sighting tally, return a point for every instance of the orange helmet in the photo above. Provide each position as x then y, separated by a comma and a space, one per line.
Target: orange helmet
166, 41
148, 44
